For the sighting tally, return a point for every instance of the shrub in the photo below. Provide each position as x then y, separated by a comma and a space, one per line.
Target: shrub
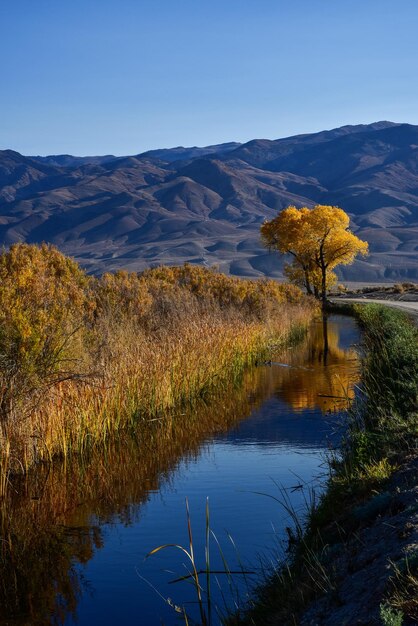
43, 304
254, 297
122, 294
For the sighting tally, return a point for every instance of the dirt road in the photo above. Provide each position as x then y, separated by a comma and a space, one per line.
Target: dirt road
408, 307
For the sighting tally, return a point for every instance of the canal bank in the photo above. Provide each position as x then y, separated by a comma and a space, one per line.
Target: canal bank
357, 562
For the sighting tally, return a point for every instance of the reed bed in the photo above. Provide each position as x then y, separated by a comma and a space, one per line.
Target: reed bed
84, 357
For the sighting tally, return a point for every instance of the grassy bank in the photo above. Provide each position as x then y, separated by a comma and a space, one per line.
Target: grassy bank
356, 560
82, 357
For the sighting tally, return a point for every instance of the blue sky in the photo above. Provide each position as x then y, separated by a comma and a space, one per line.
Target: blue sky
124, 76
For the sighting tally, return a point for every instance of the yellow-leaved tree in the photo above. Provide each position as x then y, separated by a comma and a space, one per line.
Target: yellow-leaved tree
318, 239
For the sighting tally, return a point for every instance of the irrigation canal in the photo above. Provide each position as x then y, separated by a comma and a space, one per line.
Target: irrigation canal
80, 533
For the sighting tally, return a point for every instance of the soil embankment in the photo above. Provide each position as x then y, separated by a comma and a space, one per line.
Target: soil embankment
376, 560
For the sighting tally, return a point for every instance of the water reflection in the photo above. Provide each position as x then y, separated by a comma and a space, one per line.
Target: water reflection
323, 373
54, 519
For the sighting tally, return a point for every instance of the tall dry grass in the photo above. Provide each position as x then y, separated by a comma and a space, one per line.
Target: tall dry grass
81, 358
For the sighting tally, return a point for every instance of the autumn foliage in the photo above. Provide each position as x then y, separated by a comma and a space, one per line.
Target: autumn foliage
44, 298
82, 356
318, 240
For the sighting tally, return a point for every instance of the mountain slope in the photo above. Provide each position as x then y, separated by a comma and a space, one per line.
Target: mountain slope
205, 205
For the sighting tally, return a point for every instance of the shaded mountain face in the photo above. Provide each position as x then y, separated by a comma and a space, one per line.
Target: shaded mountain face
206, 205
182, 154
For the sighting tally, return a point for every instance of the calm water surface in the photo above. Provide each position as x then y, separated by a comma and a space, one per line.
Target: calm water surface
80, 533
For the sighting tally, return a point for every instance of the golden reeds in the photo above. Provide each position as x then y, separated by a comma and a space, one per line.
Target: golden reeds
127, 349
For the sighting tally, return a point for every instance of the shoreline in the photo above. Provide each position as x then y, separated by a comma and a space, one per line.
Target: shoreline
357, 561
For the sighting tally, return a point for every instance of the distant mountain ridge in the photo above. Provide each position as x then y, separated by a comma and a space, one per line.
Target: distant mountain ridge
206, 205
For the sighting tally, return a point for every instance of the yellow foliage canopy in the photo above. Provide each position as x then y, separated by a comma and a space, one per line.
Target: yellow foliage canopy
318, 239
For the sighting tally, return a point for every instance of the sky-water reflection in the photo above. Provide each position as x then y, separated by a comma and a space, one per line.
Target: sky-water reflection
75, 537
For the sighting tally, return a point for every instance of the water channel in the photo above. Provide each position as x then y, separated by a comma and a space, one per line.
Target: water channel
78, 535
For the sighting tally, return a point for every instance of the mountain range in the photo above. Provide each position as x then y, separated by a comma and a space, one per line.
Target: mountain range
206, 205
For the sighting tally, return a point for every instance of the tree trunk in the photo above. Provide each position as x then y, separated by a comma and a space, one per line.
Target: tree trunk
324, 286
307, 283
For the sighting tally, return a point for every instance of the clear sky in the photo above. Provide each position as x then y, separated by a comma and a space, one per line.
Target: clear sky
124, 76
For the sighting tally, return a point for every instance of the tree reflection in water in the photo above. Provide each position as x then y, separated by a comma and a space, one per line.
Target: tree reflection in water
322, 374
51, 519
